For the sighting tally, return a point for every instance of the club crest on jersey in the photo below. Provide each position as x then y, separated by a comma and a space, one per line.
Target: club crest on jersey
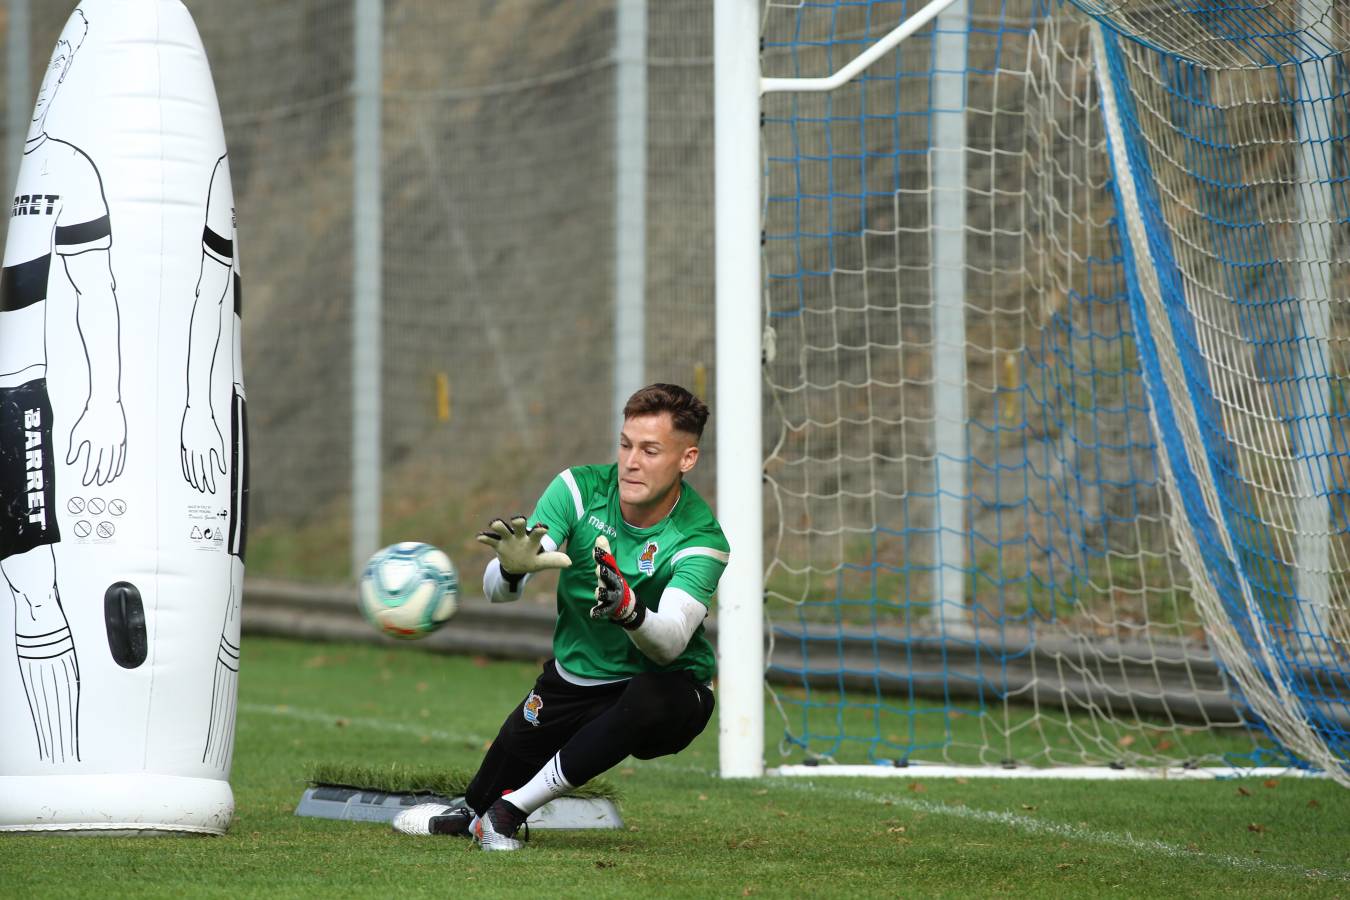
647, 559
533, 704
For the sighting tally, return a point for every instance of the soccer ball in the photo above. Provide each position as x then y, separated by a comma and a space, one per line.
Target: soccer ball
409, 590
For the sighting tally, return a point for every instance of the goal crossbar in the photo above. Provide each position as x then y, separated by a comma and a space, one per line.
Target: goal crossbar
862, 61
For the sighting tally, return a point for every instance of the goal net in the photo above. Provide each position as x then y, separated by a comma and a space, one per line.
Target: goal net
1056, 353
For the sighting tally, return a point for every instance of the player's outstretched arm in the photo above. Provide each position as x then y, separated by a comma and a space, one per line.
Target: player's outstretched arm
661, 635
519, 549
521, 552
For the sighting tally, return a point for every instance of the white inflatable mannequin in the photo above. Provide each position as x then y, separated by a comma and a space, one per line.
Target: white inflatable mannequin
123, 479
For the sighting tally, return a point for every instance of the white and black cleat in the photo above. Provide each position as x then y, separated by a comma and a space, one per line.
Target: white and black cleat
434, 818
496, 829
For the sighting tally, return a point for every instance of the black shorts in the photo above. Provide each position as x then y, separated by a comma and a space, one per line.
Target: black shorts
673, 708
27, 469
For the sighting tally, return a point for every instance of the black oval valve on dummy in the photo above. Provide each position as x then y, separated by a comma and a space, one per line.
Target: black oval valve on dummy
125, 617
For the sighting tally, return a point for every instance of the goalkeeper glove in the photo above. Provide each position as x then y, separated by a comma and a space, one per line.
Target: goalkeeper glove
520, 550
614, 599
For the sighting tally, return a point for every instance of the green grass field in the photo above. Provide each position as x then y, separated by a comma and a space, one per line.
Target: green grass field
688, 833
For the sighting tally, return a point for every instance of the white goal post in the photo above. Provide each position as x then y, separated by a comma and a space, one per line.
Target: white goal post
739, 417
738, 86
1033, 345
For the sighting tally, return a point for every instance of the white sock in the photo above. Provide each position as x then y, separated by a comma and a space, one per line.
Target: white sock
220, 733
547, 784
51, 681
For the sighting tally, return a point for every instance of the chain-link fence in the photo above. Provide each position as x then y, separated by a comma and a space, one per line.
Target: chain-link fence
498, 213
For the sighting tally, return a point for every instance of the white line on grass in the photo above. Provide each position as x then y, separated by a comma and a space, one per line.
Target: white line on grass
1029, 825
1126, 841
287, 711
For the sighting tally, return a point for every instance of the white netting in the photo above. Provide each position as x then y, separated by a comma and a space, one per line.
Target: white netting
498, 240
1233, 189
1074, 636
1083, 635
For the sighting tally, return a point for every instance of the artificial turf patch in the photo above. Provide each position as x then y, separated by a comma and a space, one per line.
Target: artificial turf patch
397, 778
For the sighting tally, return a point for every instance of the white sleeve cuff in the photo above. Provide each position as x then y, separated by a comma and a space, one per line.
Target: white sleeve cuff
663, 635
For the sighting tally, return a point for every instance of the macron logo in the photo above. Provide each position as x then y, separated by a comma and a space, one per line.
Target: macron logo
601, 527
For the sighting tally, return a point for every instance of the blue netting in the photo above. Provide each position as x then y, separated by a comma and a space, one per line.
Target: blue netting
1253, 578
1081, 639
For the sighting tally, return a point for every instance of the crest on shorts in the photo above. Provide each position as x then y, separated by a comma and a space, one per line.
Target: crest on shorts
533, 704
647, 559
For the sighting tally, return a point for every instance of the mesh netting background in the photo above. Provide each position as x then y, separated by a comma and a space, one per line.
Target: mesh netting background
498, 211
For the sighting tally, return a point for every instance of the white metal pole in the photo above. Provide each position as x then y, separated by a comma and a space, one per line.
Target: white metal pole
367, 232
740, 454
630, 201
860, 62
948, 199
20, 88
1314, 306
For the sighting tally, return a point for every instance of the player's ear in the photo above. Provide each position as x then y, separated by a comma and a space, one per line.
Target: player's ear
688, 458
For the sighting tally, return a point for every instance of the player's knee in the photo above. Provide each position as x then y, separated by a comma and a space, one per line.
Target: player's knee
32, 576
32, 571
641, 718
652, 702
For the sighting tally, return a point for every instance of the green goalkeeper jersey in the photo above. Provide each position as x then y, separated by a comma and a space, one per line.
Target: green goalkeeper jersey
684, 551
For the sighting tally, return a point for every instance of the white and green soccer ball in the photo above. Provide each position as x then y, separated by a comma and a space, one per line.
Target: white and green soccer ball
409, 590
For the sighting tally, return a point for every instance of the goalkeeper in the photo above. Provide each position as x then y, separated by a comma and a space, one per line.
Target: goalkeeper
632, 667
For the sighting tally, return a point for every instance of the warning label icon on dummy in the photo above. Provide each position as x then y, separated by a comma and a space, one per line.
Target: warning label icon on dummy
95, 532
206, 530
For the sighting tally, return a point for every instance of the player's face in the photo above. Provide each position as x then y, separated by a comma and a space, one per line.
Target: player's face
653, 455
51, 79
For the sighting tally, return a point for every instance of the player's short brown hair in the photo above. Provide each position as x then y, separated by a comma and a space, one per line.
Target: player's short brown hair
687, 413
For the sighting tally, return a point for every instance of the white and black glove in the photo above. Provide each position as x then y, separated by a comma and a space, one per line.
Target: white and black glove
614, 599
520, 550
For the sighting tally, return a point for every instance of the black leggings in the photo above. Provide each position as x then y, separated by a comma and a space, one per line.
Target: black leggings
594, 728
